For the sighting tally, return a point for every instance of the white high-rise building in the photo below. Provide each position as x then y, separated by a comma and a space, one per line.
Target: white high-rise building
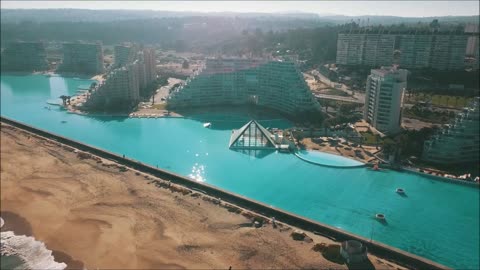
384, 98
123, 54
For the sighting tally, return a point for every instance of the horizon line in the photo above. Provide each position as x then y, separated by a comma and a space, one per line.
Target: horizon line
239, 12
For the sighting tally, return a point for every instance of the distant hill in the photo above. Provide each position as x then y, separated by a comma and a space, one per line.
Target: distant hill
86, 15
311, 36
388, 20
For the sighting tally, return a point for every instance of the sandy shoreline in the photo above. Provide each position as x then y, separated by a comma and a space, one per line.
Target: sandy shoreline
20, 226
107, 218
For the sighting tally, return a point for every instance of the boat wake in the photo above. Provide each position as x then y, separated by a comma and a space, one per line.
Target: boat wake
33, 254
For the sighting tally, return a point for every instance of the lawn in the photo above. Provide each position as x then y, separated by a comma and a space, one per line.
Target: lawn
368, 138
441, 100
336, 92
160, 106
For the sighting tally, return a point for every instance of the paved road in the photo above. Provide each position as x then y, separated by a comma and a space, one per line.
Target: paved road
339, 98
163, 91
358, 96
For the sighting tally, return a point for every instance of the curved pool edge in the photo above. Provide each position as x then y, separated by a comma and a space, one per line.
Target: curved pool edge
397, 255
331, 166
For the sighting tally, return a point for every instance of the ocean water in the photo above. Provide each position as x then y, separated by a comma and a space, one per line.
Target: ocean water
23, 252
10, 262
436, 220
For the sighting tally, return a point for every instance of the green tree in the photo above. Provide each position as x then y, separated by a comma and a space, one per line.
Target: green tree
185, 64
389, 147
326, 124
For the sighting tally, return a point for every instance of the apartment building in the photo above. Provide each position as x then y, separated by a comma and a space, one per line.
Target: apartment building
458, 142
119, 90
135, 70
123, 54
150, 61
448, 52
24, 56
85, 58
274, 84
384, 98
378, 50
419, 50
350, 49
416, 51
368, 49
473, 51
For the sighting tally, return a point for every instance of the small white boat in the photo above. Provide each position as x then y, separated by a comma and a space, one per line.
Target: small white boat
207, 125
380, 216
400, 191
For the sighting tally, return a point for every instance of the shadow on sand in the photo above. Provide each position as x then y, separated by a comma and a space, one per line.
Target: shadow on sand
365, 265
332, 254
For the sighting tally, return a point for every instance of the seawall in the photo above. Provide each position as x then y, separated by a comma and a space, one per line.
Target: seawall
401, 257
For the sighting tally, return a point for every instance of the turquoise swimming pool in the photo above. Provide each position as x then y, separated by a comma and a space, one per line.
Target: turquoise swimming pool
329, 160
436, 220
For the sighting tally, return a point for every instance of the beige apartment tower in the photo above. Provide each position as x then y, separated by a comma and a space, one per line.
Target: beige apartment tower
384, 98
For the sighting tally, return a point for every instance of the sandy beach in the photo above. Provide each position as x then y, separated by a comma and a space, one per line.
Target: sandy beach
94, 215
364, 154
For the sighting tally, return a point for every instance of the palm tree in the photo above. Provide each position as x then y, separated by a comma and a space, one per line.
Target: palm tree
377, 140
64, 99
326, 104
326, 124
389, 147
311, 130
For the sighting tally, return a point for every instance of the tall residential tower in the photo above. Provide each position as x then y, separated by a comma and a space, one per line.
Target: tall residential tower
133, 71
123, 54
384, 97
24, 56
85, 58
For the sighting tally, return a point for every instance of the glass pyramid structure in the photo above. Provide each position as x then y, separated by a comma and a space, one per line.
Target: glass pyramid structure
252, 136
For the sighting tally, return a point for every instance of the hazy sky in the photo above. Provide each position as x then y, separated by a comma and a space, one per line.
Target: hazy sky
395, 8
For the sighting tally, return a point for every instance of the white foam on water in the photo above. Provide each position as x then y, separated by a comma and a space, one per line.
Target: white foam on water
34, 253
1, 222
